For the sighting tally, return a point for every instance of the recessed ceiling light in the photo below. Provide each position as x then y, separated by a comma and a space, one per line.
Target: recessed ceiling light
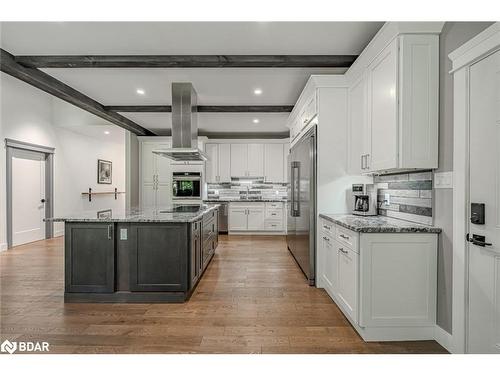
140, 91
106, 132
257, 91
255, 120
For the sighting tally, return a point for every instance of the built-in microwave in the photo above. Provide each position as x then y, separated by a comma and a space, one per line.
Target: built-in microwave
186, 185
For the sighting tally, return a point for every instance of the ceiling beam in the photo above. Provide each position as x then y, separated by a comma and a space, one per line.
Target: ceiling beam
62, 91
187, 61
205, 108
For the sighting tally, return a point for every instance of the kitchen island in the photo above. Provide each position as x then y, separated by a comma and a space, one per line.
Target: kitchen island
141, 255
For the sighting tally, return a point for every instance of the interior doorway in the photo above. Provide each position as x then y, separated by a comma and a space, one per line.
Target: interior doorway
29, 192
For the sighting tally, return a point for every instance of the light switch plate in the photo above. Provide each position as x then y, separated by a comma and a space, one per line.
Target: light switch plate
443, 180
123, 234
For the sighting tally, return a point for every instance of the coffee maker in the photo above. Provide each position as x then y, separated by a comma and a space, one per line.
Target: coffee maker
364, 200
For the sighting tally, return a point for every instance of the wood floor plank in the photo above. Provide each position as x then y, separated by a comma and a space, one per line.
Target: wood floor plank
252, 299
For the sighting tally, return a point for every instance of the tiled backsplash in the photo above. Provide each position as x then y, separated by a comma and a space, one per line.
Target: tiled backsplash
247, 190
410, 196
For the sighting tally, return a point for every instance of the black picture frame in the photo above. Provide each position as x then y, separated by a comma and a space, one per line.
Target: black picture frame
104, 172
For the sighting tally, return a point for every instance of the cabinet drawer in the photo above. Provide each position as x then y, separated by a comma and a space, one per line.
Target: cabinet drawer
347, 237
274, 205
273, 225
328, 228
275, 214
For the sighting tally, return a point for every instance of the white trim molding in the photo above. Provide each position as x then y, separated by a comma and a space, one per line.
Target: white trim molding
462, 58
443, 338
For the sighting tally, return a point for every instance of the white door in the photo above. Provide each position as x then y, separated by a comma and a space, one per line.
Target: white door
484, 262
239, 156
28, 191
273, 162
224, 162
347, 291
163, 165
357, 106
256, 160
329, 263
148, 162
255, 219
237, 219
148, 195
383, 109
212, 164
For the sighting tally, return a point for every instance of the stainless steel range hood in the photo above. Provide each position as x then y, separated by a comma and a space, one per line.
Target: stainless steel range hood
184, 125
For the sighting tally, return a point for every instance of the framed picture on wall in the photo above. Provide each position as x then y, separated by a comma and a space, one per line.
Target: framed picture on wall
104, 172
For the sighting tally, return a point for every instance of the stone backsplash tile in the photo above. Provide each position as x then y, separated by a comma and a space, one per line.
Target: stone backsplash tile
410, 196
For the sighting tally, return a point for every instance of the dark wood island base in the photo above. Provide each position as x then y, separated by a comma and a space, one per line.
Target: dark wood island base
137, 262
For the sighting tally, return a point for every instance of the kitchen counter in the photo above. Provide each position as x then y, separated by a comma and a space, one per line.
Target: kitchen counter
244, 200
138, 215
378, 224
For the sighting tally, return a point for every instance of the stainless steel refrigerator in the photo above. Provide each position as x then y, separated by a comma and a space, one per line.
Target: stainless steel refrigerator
301, 225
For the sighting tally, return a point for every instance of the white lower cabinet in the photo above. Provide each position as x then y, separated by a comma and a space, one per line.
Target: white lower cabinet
256, 217
384, 283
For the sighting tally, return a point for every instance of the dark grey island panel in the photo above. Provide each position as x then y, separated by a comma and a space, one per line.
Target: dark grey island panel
89, 258
138, 260
158, 257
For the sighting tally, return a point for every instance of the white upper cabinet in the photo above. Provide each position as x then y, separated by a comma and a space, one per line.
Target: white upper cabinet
359, 139
273, 167
212, 164
218, 165
402, 108
239, 160
255, 160
247, 160
224, 162
383, 109
156, 175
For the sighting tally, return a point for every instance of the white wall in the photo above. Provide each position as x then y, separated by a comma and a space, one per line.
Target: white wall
30, 115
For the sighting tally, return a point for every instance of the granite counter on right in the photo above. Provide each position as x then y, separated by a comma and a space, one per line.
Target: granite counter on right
382, 273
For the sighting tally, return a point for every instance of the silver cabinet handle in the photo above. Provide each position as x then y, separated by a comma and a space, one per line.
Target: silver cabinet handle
343, 251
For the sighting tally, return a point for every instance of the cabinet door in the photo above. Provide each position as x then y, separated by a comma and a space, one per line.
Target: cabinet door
148, 162
148, 195
256, 160
256, 219
329, 264
273, 162
158, 257
224, 162
89, 258
237, 219
383, 109
239, 157
163, 194
212, 164
357, 127
195, 253
347, 290
163, 164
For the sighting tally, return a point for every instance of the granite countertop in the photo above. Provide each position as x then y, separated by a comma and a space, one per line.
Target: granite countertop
138, 215
378, 224
246, 200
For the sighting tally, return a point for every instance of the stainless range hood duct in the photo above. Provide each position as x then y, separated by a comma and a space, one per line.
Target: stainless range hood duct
184, 125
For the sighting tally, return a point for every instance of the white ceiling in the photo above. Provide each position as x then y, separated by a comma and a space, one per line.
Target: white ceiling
229, 86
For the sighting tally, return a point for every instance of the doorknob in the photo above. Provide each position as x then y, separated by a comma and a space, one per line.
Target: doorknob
478, 240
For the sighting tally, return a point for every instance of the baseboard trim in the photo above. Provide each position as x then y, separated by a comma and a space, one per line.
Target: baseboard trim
59, 233
443, 338
249, 233
3, 247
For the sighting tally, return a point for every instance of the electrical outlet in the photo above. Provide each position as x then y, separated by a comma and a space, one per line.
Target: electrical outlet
123, 234
387, 199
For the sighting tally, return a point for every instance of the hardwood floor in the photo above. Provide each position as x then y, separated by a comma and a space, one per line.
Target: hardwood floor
252, 299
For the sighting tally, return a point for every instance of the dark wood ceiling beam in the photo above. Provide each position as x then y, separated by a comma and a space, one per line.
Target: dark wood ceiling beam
187, 61
205, 108
62, 91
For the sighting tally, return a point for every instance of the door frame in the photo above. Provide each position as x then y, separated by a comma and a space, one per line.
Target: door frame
479, 47
48, 152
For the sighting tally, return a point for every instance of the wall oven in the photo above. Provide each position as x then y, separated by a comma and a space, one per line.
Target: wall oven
186, 185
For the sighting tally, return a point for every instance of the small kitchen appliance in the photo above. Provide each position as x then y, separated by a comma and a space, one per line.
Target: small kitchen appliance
364, 200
